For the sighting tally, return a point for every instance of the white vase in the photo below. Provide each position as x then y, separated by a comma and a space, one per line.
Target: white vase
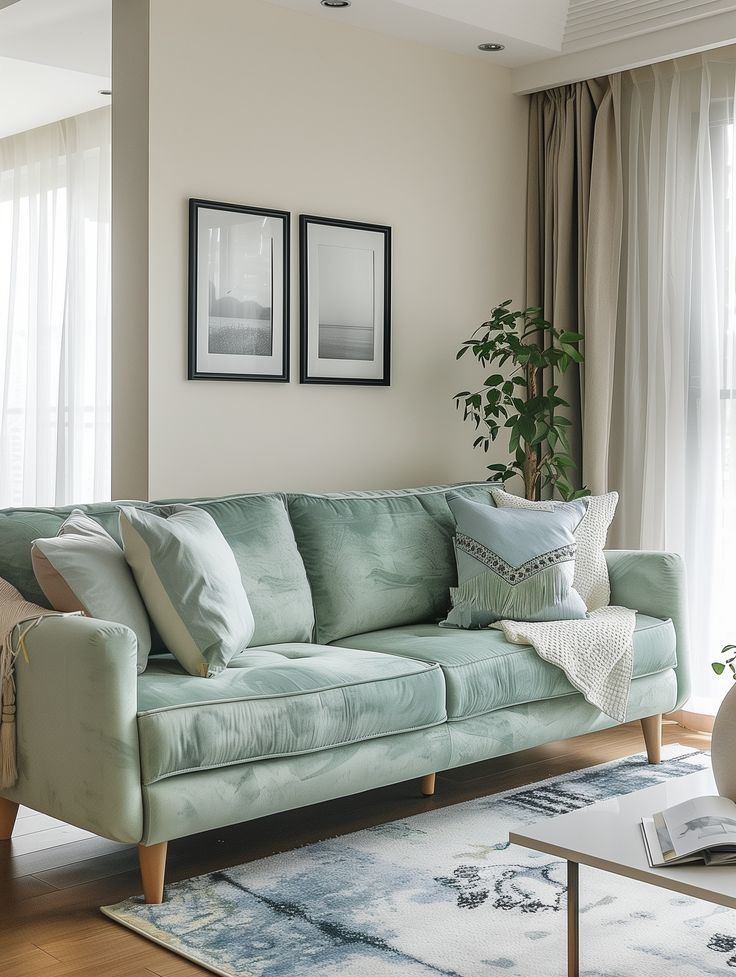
723, 747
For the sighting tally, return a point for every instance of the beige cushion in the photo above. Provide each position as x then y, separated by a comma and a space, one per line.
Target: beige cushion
591, 570
84, 569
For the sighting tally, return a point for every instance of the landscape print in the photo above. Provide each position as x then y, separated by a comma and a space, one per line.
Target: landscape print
240, 307
346, 303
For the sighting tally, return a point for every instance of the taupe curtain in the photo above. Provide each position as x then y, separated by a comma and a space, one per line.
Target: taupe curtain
574, 215
632, 242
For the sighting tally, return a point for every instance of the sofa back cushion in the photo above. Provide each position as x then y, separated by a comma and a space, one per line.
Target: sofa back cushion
18, 529
256, 527
378, 559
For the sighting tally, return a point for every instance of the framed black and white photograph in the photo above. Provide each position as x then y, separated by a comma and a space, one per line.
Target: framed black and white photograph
238, 292
345, 281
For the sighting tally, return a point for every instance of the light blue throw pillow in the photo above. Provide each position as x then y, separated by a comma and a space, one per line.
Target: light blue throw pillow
189, 579
514, 564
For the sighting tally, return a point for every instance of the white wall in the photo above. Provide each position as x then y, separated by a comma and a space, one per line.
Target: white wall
256, 104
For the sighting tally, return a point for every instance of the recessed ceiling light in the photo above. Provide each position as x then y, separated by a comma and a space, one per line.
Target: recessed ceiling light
491, 46
335, 3
104, 91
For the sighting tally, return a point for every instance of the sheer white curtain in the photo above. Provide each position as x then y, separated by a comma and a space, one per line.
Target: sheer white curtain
673, 426
55, 313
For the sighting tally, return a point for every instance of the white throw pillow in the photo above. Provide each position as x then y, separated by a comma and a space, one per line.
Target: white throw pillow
591, 570
190, 581
83, 569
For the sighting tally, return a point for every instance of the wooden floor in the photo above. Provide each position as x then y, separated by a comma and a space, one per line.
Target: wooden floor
53, 878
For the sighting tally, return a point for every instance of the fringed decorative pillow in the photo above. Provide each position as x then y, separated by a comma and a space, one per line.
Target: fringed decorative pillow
591, 570
514, 564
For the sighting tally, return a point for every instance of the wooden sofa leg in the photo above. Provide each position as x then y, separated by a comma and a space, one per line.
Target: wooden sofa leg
652, 729
152, 861
427, 784
8, 814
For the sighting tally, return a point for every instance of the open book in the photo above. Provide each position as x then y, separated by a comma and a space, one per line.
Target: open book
700, 830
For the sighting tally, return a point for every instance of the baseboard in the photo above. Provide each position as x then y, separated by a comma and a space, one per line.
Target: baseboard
699, 722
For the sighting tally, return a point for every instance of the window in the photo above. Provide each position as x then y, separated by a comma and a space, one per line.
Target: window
55, 313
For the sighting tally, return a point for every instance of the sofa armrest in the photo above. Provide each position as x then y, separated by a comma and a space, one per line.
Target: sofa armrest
76, 697
653, 583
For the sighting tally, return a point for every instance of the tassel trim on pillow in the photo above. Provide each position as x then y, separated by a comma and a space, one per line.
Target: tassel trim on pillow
515, 601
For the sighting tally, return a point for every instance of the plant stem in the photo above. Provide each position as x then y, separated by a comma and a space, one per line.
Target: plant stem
531, 454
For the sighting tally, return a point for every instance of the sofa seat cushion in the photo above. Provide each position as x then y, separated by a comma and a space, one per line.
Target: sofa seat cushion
483, 671
278, 701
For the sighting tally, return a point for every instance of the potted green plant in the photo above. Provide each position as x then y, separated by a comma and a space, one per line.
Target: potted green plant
521, 349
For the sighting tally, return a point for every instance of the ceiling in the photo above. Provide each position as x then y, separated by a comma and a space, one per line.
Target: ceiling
55, 54
54, 59
532, 30
547, 42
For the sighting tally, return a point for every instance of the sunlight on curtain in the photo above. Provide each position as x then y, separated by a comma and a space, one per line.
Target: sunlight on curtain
724, 138
55, 313
673, 447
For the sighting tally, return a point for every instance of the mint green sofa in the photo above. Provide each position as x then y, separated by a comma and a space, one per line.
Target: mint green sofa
349, 683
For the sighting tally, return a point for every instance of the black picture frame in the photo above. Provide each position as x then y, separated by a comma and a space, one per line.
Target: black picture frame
307, 373
279, 331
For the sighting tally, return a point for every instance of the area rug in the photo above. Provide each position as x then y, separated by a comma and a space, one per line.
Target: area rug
443, 893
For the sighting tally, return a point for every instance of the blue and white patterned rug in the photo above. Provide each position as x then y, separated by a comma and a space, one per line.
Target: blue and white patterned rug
442, 894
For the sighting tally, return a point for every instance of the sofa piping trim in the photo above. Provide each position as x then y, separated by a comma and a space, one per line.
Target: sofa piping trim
391, 493
426, 667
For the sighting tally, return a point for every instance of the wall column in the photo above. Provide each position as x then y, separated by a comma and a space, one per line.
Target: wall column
130, 189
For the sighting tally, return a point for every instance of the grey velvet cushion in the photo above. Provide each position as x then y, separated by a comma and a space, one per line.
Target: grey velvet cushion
514, 564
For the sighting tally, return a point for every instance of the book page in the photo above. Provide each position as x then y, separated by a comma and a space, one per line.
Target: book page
704, 822
651, 842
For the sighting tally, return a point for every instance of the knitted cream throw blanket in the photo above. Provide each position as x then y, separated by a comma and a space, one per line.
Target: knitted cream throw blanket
17, 618
596, 653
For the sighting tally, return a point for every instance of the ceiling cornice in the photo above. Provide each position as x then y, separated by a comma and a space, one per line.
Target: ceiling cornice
704, 34
591, 23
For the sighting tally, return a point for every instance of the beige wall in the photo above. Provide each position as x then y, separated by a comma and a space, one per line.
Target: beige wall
130, 250
256, 104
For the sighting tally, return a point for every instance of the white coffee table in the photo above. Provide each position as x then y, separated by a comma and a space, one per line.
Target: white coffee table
607, 836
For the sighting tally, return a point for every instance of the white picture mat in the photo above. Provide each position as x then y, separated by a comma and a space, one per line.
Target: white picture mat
273, 231
328, 235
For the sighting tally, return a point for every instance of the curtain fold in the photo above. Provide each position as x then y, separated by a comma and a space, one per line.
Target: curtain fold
55, 313
670, 440
574, 171
600, 287
650, 281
